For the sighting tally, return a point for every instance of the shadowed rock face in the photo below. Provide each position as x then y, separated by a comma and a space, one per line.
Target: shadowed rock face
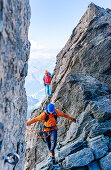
14, 54
81, 86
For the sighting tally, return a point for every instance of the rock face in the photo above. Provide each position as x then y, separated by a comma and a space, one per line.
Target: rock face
14, 54
81, 87
87, 50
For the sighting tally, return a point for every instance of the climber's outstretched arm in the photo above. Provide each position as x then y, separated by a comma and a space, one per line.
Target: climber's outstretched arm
41, 117
61, 114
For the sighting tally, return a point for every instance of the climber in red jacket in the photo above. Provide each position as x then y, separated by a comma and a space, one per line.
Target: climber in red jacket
49, 117
47, 82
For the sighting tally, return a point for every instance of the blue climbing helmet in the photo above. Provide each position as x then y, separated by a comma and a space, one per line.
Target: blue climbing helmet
51, 108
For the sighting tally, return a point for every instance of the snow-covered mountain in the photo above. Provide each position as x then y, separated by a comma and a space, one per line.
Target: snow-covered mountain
32, 101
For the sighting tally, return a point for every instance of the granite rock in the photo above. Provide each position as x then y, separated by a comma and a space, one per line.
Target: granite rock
80, 158
99, 146
105, 162
14, 54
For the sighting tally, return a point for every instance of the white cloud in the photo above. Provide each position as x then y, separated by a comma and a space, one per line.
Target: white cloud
40, 55
35, 46
40, 52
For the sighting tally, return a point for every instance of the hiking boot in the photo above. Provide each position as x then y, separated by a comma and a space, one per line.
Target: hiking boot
50, 163
49, 158
53, 159
52, 154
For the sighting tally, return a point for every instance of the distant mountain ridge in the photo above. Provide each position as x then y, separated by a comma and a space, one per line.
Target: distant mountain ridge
32, 101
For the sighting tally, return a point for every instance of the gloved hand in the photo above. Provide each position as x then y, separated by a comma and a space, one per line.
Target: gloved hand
28, 123
74, 120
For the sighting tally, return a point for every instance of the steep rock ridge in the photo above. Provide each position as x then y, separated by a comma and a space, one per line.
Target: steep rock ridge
14, 54
81, 87
84, 50
88, 141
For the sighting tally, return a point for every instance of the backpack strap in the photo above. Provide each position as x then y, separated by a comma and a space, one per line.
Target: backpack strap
47, 116
55, 116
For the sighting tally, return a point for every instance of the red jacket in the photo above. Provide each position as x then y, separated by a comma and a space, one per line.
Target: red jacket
47, 79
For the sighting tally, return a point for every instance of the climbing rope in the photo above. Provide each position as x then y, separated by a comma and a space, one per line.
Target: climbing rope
51, 129
63, 108
46, 131
36, 135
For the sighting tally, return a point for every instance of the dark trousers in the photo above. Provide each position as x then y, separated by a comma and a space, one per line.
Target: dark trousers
51, 140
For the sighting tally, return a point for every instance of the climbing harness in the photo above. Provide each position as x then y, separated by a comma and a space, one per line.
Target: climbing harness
46, 131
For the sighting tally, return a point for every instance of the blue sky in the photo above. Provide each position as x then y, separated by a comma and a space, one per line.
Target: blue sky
52, 22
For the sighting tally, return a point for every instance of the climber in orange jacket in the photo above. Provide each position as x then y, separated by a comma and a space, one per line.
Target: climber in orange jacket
49, 116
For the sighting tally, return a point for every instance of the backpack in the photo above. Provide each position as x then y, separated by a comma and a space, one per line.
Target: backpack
47, 117
47, 80
41, 126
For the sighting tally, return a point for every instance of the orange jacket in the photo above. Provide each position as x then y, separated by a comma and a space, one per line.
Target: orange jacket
51, 121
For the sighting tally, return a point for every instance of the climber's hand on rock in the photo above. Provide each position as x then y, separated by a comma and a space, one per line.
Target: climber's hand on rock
74, 120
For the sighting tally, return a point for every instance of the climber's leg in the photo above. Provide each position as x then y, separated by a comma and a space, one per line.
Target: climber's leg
53, 140
50, 90
47, 88
47, 139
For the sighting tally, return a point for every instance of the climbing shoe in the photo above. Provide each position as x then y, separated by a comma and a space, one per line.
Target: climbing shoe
52, 154
53, 159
